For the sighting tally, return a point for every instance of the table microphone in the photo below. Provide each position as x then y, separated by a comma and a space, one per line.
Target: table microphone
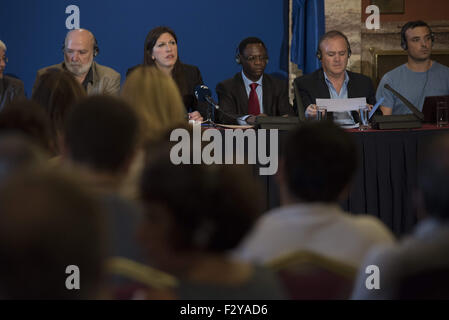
415, 110
203, 93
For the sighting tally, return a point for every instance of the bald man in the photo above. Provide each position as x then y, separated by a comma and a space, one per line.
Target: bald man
80, 49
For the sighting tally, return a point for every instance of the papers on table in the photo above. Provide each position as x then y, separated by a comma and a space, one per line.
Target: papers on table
341, 105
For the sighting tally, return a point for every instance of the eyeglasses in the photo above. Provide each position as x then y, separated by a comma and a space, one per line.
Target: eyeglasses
254, 58
5, 59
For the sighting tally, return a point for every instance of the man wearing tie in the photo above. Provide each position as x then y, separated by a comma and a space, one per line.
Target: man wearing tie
252, 93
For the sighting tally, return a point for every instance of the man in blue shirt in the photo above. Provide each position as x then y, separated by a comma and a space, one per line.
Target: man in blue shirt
333, 80
419, 77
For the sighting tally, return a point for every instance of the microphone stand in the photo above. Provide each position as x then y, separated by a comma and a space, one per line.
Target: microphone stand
211, 107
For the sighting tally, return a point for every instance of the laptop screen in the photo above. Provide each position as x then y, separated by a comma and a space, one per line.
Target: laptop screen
430, 107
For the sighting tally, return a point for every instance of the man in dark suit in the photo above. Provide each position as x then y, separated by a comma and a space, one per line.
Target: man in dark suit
252, 93
333, 80
10, 88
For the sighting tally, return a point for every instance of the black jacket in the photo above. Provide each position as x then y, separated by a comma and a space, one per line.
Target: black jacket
10, 89
313, 86
233, 99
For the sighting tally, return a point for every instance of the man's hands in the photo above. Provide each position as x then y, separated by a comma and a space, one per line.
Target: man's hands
252, 119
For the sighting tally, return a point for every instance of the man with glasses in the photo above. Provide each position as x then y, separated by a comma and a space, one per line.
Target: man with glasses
419, 77
80, 48
10, 88
252, 93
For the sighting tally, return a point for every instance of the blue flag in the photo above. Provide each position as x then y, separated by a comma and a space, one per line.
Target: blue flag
307, 28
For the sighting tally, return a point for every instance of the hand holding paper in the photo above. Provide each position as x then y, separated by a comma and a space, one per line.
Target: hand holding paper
342, 105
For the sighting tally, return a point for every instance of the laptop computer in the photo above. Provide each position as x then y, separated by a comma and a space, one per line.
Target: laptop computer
429, 108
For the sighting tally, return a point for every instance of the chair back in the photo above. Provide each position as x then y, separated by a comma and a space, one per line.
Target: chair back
308, 275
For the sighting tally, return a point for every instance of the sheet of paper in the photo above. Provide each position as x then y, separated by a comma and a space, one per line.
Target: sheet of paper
341, 105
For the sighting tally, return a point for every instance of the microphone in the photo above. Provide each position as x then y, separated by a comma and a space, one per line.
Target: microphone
203, 93
409, 105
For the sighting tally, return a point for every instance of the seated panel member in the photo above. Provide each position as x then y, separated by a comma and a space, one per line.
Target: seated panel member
333, 80
10, 88
419, 77
80, 48
161, 50
252, 92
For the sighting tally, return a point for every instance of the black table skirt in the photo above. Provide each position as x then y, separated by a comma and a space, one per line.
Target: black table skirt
386, 177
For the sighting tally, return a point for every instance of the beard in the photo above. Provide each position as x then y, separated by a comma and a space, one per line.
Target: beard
77, 68
420, 58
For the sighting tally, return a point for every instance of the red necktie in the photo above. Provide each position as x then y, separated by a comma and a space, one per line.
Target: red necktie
253, 101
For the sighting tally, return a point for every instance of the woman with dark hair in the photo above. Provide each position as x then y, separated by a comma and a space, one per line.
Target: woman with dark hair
161, 50
57, 91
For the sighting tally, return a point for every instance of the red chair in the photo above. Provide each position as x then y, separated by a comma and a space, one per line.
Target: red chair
310, 276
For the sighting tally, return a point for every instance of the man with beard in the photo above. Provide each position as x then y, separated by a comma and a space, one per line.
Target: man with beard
80, 48
419, 77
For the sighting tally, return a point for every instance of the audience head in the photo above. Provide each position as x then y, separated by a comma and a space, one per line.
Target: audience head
3, 59
57, 91
433, 176
417, 38
252, 55
28, 118
16, 153
318, 163
156, 100
334, 51
80, 48
49, 222
101, 133
195, 208
161, 48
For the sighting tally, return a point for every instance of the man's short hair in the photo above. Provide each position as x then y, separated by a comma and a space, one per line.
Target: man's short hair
48, 222
16, 153
2, 45
413, 25
433, 178
331, 35
28, 118
101, 132
245, 42
319, 162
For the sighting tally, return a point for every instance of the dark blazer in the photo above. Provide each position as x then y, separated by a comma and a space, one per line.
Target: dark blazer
10, 89
312, 86
233, 99
191, 77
